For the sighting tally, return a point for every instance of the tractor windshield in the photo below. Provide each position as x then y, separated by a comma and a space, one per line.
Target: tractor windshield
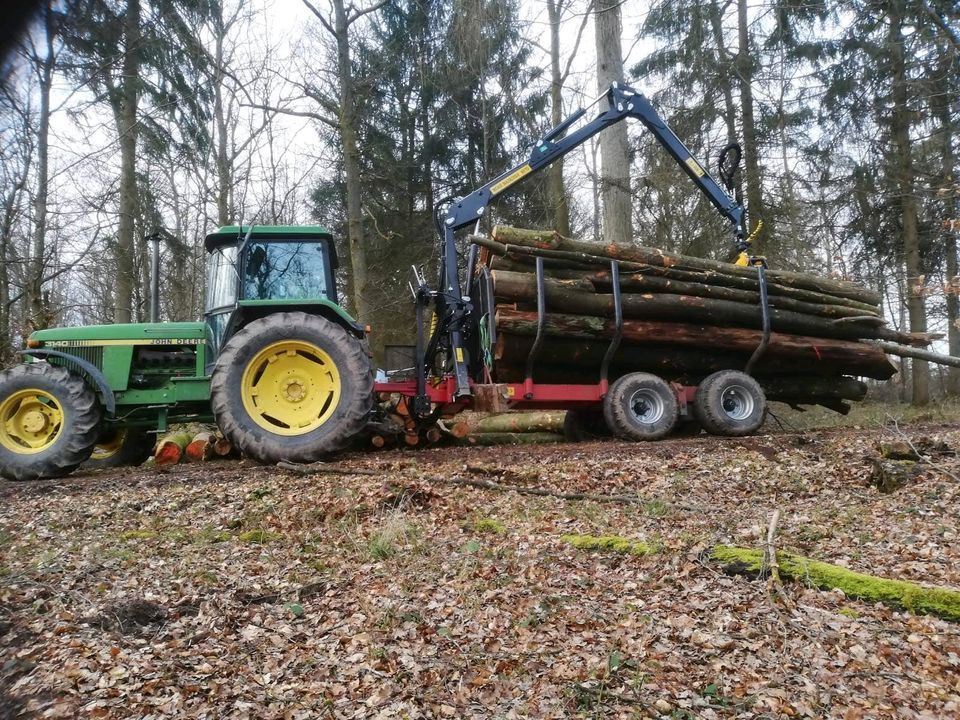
222, 278
285, 271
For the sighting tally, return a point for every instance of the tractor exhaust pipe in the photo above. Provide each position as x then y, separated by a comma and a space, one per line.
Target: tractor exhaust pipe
155, 277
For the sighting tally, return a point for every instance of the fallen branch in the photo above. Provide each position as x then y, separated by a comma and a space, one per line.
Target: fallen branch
942, 602
774, 582
892, 348
323, 469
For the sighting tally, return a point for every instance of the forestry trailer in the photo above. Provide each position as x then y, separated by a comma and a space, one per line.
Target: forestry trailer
285, 372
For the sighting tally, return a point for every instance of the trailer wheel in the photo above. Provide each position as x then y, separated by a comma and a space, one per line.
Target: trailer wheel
730, 403
121, 447
640, 406
291, 386
585, 425
49, 421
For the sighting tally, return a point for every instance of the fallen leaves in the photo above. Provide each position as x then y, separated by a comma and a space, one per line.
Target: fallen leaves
380, 593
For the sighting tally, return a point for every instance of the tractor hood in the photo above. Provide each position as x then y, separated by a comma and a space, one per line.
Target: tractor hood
174, 333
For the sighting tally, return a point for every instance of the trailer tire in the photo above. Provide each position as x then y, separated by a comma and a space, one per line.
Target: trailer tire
640, 406
49, 421
291, 386
121, 447
730, 403
585, 425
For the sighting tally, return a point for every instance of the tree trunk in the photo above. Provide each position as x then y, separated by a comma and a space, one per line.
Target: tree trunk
614, 147
555, 188
905, 177
127, 129
726, 85
39, 313
948, 128
224, 180
750, 147
351, 163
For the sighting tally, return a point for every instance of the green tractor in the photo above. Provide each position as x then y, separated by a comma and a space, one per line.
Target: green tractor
281, 368
286, 373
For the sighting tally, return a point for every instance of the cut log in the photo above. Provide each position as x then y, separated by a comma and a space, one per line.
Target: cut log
566, 265
222, 447
171, 446
855, 358
900, 594
545, 421
653, 256
568, 297
512, 438
200, 448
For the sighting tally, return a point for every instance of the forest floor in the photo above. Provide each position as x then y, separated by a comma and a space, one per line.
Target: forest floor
230, 590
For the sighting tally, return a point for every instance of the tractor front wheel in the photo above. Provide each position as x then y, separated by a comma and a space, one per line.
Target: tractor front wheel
49, 421
291, 386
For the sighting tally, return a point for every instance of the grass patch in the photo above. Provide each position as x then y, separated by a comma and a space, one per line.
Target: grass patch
385, 542
139, 535
489, 526
258, 537
942, 602
609, 542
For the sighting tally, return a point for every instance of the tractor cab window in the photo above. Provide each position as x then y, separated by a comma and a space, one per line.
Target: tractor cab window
222, 279
285, 271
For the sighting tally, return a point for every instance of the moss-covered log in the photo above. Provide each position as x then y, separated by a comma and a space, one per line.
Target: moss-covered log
653, 256
609, 543
170, 447
942, 602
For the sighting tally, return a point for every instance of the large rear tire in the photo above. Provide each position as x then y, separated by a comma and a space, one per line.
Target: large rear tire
291, 386
730, 403
640, 406
49, 421
121, 447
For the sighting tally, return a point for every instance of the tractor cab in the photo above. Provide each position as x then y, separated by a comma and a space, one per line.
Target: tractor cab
255, 271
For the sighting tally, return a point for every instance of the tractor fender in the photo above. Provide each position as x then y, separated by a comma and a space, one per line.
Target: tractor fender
94, 375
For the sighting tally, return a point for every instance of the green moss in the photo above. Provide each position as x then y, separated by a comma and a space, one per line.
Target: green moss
849, 612
489, 525
139, 535
609, 542
260, 537
942, 602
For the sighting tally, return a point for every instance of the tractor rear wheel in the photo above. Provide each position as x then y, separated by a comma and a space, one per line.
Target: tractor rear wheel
730, 403
121, 447
640, 406
291, 386
49, 421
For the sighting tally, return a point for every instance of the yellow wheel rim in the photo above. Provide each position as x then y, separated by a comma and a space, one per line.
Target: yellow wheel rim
30, 421
290, 387
109, 445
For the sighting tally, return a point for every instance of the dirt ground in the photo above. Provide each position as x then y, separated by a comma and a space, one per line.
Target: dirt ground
227, 590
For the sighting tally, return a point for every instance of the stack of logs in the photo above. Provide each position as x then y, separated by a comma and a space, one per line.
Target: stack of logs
684, 318
191, 445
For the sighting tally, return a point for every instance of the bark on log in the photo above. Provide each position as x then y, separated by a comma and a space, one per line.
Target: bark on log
517, 287
812, 386
653, 256
918, 354
543, 422
942, 602
170, 447
859, 358
512, 438
568, 265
